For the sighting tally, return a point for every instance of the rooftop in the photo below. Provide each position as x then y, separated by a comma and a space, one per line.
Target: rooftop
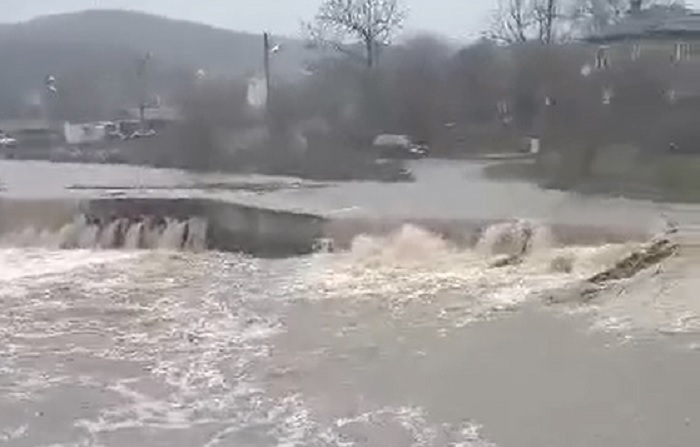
659, 22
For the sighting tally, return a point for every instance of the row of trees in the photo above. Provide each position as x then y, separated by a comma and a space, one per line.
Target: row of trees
370, 25
557, 21
486, 94
427, 88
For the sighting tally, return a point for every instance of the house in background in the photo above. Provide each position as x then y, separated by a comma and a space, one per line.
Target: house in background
632, 99
647, 71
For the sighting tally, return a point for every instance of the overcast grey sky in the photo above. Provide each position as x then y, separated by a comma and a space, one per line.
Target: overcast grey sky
460, 19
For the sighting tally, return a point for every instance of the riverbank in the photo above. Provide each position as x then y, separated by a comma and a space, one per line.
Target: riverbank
151, 152
670, 181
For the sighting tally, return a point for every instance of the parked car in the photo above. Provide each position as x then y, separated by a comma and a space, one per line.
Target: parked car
112, 131
7, 141
399, 146
141, 133
392, 171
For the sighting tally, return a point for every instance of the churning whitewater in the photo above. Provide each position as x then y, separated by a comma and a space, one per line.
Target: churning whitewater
177, 348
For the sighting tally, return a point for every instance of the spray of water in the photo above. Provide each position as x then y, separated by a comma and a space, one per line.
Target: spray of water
413, 265
514, 238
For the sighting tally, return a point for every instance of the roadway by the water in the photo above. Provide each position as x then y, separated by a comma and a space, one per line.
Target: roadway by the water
443, 190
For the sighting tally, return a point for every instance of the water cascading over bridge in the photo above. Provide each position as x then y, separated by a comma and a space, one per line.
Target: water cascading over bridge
168, 224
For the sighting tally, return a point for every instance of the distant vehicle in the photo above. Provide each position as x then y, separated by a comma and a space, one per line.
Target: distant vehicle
141, 133
112, 131
7, 141
128, 127
393, 171
400, 146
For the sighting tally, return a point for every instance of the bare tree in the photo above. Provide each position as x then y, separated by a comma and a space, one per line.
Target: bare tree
512, 21
546, 13
518, 21
371, 24
595, 14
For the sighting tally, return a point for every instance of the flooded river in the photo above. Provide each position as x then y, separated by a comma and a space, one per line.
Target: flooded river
402, 340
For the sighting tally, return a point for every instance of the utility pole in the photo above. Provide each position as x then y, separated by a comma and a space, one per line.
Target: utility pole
48, 98
266, 64
141, 71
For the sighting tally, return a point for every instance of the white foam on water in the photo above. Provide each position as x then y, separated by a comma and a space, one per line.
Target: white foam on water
413, 265
662, 299
179, 313
187, 322
504, 238
14, 433
191, 319
35, 263
380, 427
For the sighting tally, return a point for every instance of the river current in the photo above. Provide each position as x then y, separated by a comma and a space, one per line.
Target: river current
402, 340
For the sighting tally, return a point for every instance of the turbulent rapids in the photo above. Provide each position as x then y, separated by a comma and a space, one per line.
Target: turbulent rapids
90, 232
205, 343
510, 263
356, 314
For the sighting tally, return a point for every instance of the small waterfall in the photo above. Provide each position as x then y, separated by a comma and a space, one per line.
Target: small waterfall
134, 236
152, 230
173, 236
87, 232
196, 239
109, 236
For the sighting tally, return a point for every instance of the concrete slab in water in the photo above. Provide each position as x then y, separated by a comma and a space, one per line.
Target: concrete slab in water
443, 190
452, 198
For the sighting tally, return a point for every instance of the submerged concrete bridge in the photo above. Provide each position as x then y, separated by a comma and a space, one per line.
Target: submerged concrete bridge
273, 215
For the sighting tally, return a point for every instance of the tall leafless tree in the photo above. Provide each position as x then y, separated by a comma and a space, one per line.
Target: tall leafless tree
551, 21
546, 14
512, 21
518, 21
345, 24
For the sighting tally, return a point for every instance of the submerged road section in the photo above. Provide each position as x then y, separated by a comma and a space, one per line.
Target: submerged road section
452, 198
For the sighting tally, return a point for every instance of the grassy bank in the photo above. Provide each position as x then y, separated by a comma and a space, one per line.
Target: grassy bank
670, 178
513, 170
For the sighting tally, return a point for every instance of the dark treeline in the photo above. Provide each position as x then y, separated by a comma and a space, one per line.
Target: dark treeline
350, 79
532, 75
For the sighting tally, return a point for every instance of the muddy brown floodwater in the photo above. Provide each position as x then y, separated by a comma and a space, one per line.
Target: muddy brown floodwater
401, 340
